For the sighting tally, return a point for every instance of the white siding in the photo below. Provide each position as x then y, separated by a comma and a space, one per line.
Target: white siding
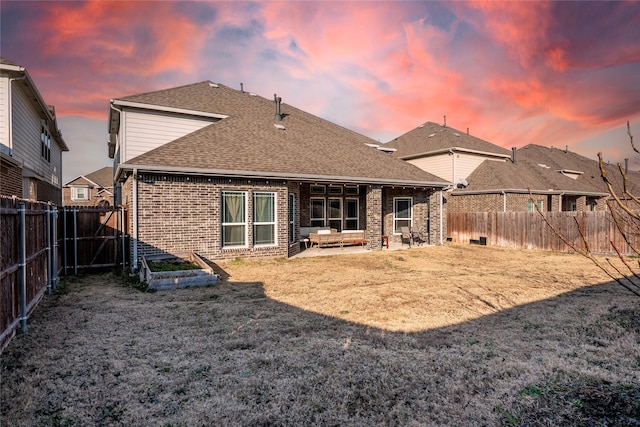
143, 131
440, 165
26, 140
4, 114
466, 163
446, 165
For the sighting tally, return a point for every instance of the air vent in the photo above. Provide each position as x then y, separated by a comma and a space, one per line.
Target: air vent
279, 127
213, 85
432, 135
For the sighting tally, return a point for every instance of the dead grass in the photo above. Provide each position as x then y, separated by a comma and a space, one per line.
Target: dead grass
454, 335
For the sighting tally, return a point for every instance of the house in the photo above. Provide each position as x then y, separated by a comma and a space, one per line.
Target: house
227, 173
94, 189
445, 151
559, 180
31, 144
490, 178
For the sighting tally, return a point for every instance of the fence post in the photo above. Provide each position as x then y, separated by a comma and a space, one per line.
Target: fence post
122, 236
54, 238
48, 243
64, 239
75, 241
22, 265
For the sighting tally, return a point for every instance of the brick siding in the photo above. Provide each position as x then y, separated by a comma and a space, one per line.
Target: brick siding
10, 179
183, 213
519, 202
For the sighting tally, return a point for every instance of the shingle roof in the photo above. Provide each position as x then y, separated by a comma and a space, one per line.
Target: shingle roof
432, 137
103, 177
248, 142
5, 61
539, 168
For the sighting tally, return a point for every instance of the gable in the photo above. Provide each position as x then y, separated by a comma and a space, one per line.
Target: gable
431, 138
147, 130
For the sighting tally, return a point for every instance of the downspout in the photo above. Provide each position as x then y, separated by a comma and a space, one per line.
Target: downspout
120, 159
441, 220
10, 124
120, 113
134, 219
504, 201
453, 166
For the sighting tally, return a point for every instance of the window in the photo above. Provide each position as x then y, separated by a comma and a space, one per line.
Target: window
316, 189
531, 206
351, 215
317, 212
79, 193
45, 142
234, 218
335, 214
402, 216
292, 218
352, 190
333, 190
264, 218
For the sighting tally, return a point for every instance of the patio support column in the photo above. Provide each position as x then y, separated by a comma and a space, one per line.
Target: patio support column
437, 217
374, 217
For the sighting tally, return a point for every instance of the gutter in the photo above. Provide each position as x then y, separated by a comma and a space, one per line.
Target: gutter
168, 109
526, 191
273, 175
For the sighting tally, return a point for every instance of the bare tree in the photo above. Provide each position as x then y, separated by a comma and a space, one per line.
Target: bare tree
625, 213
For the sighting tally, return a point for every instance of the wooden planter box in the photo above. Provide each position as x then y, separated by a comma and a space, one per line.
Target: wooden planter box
163, 280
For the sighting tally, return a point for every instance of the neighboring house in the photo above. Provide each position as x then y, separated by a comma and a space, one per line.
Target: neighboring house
31, 144
94, 189
490, 178
559, 180
227, 173
445, 151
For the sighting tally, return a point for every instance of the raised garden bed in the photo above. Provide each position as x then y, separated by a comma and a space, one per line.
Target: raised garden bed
162, 272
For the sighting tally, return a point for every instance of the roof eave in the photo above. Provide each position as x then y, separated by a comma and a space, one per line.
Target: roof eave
275, 175
526, 191
455, 149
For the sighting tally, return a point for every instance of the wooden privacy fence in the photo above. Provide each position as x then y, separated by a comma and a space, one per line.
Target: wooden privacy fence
528, 230
27, 261
40, 241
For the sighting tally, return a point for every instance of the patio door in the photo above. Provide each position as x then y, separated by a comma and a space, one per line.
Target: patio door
335, 213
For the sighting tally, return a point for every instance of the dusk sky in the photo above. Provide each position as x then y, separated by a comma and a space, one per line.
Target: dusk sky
549, 73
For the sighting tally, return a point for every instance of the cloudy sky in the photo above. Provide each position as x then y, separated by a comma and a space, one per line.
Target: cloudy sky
550, 73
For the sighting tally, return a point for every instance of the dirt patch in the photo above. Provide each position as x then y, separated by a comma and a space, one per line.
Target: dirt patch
439, 335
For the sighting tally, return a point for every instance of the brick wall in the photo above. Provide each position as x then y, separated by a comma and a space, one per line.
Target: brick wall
519, 202
10, 179
183, 213
48, 193
422, 208
475, 203
436, 197
374, 211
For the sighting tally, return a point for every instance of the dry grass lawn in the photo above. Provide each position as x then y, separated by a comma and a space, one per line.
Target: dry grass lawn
452, 335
